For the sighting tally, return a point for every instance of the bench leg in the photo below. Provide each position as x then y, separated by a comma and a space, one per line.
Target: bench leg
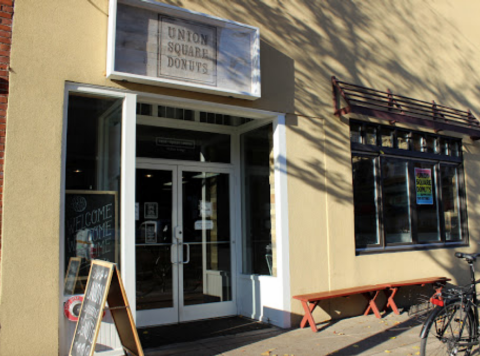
308, 315
372, 306
391, 301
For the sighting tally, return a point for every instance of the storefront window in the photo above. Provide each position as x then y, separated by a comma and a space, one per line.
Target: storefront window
366, 229
92, 183
396, 201
425, 204
408, 197
450, 202
259, 238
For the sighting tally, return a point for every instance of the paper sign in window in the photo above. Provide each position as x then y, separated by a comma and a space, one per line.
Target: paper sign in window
423, 186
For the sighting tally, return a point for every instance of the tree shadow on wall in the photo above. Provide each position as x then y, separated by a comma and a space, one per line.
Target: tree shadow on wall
414, 49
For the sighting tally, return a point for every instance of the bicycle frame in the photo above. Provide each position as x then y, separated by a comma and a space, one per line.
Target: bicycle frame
468, 299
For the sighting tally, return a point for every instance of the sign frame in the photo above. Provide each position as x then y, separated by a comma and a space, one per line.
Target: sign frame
252, 93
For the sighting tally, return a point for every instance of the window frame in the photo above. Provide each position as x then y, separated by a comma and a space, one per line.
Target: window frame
360, 147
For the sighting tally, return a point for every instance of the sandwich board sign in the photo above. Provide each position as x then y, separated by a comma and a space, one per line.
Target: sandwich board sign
104, 285
72, 274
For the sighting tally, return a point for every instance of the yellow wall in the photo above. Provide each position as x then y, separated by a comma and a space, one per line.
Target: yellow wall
428, 50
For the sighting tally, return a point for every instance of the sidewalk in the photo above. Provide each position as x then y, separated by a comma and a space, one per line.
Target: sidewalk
361, 335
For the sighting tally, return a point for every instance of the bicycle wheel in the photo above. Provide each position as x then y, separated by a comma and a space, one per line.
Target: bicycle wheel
450, 332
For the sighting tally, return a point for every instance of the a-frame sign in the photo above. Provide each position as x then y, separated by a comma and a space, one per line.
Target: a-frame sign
104, 285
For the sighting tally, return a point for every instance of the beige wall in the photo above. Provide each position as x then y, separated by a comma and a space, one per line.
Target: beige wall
428, 50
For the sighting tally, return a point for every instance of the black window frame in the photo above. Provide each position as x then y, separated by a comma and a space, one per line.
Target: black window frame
451, 157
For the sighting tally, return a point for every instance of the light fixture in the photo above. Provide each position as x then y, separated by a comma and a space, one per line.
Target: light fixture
77, 171
149, 175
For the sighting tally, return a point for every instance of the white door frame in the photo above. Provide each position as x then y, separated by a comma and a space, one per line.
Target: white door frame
179, 312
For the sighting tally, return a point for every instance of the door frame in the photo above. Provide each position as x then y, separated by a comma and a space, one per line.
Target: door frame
259, 297
180, 312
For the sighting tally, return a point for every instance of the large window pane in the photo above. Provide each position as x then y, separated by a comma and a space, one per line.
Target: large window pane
92, 199
396, 200
366, 231
259, 239
426, 202
450, 200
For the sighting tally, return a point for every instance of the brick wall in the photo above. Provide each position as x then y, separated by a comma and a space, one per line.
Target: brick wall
6, 18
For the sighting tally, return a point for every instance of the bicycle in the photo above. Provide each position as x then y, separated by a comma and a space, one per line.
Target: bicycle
451, 328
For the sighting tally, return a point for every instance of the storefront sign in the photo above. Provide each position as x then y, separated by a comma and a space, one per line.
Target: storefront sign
175, 143
423, 186
188, 51
158, 44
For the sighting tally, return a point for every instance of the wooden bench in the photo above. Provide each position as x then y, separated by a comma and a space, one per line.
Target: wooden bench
369, 292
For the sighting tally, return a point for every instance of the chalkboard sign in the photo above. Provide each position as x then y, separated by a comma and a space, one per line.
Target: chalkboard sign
104, 285
92, 307
72, 275
91, 227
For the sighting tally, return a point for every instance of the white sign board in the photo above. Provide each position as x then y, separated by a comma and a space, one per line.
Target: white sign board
204, 225
158, 44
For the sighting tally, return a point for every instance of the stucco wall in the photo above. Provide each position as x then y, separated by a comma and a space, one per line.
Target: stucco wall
426, 50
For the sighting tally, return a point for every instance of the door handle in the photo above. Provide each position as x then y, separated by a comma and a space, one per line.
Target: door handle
188, 254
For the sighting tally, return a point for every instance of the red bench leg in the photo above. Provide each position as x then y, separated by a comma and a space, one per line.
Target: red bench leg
308, 316
371, 304
391, 301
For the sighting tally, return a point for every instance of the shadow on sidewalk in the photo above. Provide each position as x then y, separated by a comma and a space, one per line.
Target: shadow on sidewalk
374, 340
236, 328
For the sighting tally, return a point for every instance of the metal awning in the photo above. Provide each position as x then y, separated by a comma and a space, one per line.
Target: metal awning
397, 108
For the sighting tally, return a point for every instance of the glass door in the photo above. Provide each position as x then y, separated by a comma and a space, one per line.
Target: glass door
155, 246
183, 243
206, 251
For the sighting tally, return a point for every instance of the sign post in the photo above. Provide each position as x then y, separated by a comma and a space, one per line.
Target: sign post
104, 285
